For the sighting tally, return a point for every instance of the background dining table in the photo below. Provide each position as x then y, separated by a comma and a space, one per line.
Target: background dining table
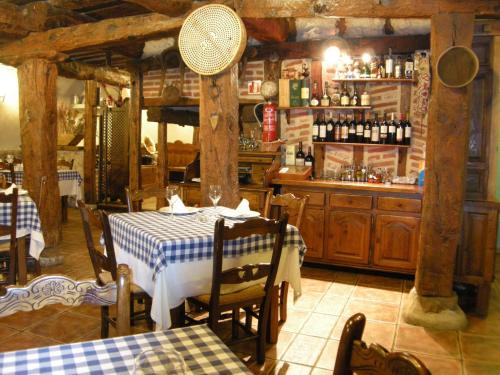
171, 259
203, 353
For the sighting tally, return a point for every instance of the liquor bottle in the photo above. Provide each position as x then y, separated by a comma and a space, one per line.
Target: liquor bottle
315, 95
300, 156
383, 130
407, 131
365, 99
391, 131
367, 133
397, 68
375, 130
374, 68
325, 99
352, 130
400, 130
305, 92
344, 97
336, 97
355, 100
381, 68
344, 130
309, 159
389, 65
329, 129
316, 129
409, 67
322, 130
360, 125
336, 129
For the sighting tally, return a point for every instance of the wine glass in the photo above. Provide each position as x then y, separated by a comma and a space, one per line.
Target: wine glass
171, 192
159, 361
215, 194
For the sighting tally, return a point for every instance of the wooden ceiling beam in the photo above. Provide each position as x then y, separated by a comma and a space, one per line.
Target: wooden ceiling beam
86, 72
99, 34
172, 8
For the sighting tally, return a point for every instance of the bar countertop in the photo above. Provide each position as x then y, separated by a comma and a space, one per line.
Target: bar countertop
394, 188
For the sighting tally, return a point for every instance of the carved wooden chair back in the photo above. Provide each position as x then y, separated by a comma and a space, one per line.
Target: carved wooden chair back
354, 356
57, 289
8, 259
65, 164
289, 203
96, 219
135, 198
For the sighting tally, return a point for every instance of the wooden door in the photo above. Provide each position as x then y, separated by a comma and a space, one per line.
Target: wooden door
349, 237
396, 241
312, 230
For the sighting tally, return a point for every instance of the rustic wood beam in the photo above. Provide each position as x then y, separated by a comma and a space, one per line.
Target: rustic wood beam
81, 71
446, 161
98, 34
268, 29
38, 121
135, 130
162, 161
89, 151
173, 116
219, 132
171, 8
77, 4
160, 102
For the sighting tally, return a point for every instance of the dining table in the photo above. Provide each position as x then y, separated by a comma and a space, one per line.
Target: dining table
171, 258
202, 351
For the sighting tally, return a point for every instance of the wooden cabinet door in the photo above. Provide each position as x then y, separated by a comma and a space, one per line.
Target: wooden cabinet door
396, 241
312, 230
349, 237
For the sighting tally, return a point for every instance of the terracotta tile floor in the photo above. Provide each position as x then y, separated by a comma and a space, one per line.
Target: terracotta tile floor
308, 341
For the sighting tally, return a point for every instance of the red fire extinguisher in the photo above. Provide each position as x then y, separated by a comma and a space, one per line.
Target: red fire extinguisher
269, 121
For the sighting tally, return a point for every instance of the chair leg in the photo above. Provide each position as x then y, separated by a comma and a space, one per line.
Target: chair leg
248, 317
147, 309
132, 303
104, 322
283, 300
12, 266
234, 323
262, 332
64, 208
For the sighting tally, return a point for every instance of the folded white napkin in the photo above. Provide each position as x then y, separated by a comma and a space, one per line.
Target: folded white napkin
10, 189
178, 206
244, 207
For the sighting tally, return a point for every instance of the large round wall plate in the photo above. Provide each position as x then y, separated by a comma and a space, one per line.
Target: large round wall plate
212, 39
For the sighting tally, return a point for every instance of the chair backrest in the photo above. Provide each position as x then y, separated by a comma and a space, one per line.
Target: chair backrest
11, 228
259, 198
181, 154
57, 289
354, 356
4, 183
289, 203
135, 198
192, 169
97, 219
249, 272
65, 164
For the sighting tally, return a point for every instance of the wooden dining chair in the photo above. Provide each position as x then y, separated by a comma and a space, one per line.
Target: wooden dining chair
58, 289
8, 248
294, 207
354, 356
66, 165
104, 266
4, 183
135, 198
258, 198
259, 294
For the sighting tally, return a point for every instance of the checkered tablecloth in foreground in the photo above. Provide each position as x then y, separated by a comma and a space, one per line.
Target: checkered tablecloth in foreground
202, 351
63, 175
155, 239
27, 215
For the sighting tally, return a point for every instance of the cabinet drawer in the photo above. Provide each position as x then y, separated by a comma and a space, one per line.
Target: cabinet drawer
351, 201
399, 204
316, 198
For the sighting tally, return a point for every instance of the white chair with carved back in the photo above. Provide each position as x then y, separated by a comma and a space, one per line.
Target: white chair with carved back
58, 289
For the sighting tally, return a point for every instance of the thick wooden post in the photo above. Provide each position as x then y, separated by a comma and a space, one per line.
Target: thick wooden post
135, 130
219, 133
433, 302
89, 181
162, 161
38, 120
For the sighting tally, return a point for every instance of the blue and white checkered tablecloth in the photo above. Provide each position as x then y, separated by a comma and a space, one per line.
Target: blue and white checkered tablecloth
63, 175
156, 240
28, 222
202, 351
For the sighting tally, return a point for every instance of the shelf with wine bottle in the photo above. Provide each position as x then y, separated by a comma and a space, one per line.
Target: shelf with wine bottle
337, 107
359, 144
378, 80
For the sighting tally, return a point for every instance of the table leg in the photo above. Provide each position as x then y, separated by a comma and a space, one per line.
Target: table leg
21, 260
272, 328
177, 315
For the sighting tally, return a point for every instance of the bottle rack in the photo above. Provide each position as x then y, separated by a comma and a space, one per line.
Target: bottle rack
359, 144
379, 80
319, 108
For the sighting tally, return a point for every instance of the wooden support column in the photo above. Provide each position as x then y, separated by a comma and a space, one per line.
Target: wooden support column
135, 130
433, 303
219, 132
38, 120
89, 151
162, 161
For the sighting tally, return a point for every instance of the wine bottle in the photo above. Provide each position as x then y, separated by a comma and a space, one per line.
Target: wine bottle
325, 99
344, 98
335, 96
305, 92
407, 131
391, 131
389, 65
397, 68
381, 68
315, 131
344, 130
315, 95
309, 159
322, 130
367, 133
352, 130
375, 130
400, 130
383, 130
409, 67
336, 131
359, 131
300, 156
355, 101
329, 129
